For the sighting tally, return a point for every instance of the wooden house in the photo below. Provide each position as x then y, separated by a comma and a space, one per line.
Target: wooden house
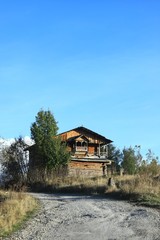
89, 152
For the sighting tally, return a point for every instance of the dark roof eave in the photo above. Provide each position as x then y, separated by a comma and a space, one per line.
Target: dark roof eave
106, 140
93, 160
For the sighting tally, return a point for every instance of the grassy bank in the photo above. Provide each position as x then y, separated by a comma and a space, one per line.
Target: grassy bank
15, 208
77, 184
141, 188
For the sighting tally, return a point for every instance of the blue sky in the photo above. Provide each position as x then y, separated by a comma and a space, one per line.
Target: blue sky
92, 63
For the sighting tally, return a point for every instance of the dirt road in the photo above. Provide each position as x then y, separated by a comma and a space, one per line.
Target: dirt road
74, 217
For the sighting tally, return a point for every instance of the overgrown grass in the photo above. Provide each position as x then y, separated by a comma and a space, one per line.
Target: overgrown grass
15, 208
77, 184
140, 188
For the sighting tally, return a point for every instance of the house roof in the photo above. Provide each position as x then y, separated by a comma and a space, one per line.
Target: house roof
77, 137
83, 129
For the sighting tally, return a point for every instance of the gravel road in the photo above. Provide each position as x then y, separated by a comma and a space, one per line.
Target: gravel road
75, 217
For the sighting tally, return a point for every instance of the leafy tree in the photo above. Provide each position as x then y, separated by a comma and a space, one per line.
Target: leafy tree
15, 162
138, 156
150, 156
49, 153
143, 167
151, 165
154, 167
129, 162
115, 154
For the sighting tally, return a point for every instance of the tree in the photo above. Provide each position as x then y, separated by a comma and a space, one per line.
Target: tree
15, 163
152, 167
129, 162
150, 156
138, 155
115, 154
49, 152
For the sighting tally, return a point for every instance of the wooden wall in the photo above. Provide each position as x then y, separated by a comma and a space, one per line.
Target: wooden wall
85, 168
90, 168
73, 133
91, 149
86, 165
69, 134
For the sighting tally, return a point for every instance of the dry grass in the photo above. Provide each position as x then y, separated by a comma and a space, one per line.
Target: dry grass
80, 180
74, 184
141, 187
138, 187
15, 207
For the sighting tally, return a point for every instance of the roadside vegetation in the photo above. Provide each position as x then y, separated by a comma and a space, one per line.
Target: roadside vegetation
15, 208
140, 188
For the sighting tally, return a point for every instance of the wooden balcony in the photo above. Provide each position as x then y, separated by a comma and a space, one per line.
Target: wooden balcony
81, 149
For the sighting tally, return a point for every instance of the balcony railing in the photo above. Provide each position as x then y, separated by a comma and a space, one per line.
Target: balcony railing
81, 149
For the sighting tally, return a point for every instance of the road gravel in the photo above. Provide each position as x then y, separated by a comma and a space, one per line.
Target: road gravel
76, 217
